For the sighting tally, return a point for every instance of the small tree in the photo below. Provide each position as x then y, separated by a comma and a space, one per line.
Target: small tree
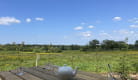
93, 44
136, 44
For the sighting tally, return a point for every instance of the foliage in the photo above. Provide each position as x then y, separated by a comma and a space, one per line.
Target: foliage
92, 61
136, 44
92, 45
123, 66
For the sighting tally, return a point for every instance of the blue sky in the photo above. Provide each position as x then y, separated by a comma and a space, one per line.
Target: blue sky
67, 21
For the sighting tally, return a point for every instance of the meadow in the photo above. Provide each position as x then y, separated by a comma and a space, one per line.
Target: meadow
86, 61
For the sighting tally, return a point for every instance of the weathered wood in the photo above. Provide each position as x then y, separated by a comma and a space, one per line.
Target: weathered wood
40, 74
2, 78
9, 76
80, 75
47, 72
93, 75
85, 77
26, 76
49, 67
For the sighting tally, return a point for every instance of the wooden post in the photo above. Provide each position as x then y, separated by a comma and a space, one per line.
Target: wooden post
37, 58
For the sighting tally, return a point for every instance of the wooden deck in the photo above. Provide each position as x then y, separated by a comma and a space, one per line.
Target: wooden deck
44, 73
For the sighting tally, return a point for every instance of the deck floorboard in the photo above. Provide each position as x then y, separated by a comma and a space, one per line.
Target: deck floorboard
45, 73
9, 76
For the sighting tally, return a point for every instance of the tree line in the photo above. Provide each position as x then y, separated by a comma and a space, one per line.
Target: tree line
92, 45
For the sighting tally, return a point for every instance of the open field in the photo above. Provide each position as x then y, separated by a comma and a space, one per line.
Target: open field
86, 61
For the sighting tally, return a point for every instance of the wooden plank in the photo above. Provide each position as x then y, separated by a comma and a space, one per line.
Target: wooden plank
26, 75
93, 75
9, 76
78, 77
2, 78
45, 71
40, 74
85, 77
80, 74
49, 67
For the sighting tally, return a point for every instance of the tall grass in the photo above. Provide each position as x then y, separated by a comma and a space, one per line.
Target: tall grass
90, 61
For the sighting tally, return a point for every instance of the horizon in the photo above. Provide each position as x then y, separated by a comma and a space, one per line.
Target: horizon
68, 22
100, 42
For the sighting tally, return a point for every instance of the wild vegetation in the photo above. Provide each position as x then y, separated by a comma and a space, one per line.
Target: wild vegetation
93, 45
86, 61
93, 57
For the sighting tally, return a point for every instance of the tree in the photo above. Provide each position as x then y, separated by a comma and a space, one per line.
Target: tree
1, 48
136, 44
54, 50
108, 44
131, 46
122, 45
75, 47
93, 44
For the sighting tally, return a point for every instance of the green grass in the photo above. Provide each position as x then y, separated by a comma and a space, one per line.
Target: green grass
86, 61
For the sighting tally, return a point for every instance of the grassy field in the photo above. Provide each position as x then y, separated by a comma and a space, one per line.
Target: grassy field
86, 61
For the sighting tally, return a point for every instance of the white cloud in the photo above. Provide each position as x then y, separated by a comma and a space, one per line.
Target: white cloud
117, 18
8, 20
28, 20
124, 32
133, 26
134, 20
132, 32
91, 26
78, 28
39, 19
104, 34
86, 34
119, 35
